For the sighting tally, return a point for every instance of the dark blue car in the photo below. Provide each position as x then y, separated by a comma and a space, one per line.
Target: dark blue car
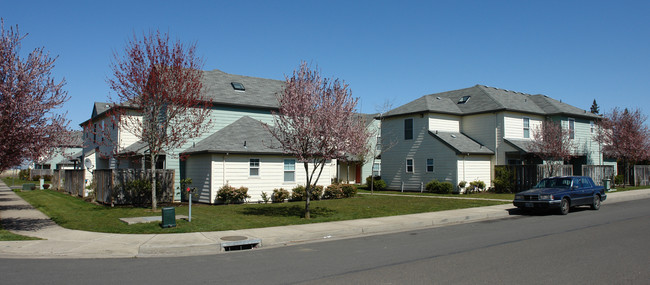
561, 193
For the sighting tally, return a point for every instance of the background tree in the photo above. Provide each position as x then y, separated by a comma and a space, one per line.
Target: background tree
316, 122
552, 144
624, 135
594, 108
162, 81
28, 97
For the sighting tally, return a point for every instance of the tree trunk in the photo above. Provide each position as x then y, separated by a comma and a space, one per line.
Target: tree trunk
153, 182
307, 191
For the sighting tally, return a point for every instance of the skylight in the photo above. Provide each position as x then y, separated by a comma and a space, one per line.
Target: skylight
238, 86
463, 100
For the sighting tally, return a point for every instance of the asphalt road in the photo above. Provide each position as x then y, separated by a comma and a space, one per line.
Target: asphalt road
609, 246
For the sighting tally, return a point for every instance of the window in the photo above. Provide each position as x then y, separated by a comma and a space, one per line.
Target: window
572, 128
429, 164
376, 169
464, 99
289, 170
409, 165
408, 129
94, 133
526, 128
254, 166
593, 126
238, 86
378, 145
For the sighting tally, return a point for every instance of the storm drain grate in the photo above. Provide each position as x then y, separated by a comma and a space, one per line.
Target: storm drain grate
235, 243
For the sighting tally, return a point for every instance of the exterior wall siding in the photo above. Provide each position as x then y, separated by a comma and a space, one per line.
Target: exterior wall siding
423, 146
444, 123
198, 168
236, 173
475, 167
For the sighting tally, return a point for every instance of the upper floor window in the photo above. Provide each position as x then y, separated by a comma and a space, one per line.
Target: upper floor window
572, 128
408, 129
376, 169
592, 126
429, 164
409, 165
254, 166
526, 128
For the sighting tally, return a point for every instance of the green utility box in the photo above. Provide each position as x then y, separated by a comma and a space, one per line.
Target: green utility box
168, 217
29, 186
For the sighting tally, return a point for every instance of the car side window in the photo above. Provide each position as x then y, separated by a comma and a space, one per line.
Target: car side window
586, 182
577, 182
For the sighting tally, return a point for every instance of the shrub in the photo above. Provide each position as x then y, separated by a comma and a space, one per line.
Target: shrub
279, 195
434, 186
298, 193
349, 190
379, 184
265, 197
24, 174
36, 177
228, 194
136, 192
618, 180
462, 184
502, 180
46, 186
334, 191
47, 177
477, 185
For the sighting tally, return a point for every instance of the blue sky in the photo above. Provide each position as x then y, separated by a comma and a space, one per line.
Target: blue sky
574, 51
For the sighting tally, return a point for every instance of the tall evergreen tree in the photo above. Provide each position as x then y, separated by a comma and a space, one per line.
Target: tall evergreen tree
594, 108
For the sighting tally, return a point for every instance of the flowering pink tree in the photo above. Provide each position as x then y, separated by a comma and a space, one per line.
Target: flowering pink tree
316, 123
553, 144
161, 81
624, 135
28, 97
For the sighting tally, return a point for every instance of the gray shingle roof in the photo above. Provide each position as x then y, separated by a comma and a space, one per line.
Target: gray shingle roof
487, 99
245, 135
523, 145
461, 143
259, 92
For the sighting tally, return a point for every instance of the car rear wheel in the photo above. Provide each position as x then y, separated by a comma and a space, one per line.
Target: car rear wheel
595, 204
565, 206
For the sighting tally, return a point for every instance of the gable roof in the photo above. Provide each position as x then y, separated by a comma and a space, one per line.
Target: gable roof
461, 143
257, 93
485, 99
244, 136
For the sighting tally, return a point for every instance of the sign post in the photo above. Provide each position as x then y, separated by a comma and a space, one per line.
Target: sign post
189, 194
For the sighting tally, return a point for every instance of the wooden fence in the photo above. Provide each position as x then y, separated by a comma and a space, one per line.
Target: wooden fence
642, 175
110, 185
39, 172
57, 179
598, 173
73, 181
525, 177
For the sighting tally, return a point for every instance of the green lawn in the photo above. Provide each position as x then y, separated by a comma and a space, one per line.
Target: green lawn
6, 235
74, 213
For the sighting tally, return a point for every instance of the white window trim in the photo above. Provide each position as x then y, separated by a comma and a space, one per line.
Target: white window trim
406, 168
259, 166
572, 131
412, 129
284, 170
526, 128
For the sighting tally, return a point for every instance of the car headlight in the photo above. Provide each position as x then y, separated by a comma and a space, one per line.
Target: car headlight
546, 197
519, 197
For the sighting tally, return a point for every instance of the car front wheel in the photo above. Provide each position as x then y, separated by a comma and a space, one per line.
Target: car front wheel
565, 206
595, 204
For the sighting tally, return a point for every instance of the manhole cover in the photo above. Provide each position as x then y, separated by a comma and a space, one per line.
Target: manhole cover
234, 238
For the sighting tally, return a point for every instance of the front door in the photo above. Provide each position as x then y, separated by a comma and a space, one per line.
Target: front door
358, 174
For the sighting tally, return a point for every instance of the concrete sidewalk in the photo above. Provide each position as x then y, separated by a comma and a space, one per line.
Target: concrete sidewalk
19, 217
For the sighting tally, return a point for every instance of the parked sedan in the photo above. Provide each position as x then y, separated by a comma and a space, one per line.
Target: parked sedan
561, 193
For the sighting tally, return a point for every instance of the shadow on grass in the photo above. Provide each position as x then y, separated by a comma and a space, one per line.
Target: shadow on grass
288, 211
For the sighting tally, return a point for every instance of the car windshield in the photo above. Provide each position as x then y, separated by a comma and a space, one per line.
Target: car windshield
554, 183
